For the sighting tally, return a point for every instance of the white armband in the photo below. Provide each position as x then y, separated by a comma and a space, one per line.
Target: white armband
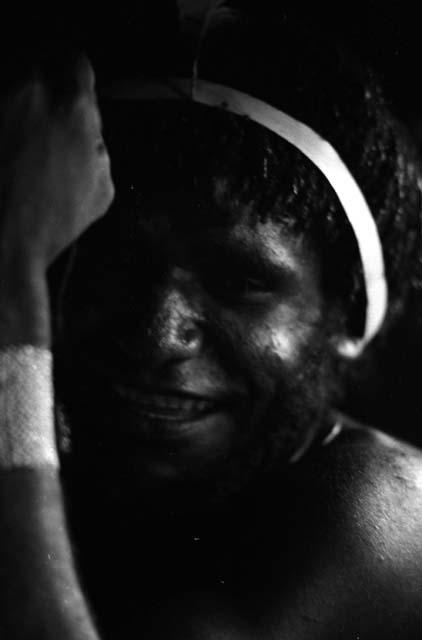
27, 434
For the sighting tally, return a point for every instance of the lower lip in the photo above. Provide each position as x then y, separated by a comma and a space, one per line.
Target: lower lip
174, 419
159, 430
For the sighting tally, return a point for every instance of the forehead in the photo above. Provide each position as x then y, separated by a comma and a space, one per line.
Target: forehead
142, 245
233, 234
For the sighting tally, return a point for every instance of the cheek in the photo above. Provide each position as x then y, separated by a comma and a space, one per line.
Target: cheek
279, 343
280, 337
264, 350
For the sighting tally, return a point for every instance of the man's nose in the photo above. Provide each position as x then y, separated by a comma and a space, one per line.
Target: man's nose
176, 331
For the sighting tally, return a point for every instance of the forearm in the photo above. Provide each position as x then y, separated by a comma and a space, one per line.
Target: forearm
41, 596
55, 182
24, 303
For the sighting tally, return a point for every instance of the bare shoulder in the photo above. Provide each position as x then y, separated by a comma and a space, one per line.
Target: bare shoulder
377, 480
362, 521
369, 487
348, 542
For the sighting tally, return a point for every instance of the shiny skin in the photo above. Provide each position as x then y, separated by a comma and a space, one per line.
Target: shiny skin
227, 313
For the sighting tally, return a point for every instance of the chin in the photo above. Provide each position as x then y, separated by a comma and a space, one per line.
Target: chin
124, 445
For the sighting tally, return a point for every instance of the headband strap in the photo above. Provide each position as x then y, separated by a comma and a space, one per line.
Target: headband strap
323, 156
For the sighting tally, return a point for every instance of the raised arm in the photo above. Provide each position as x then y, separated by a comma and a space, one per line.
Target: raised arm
54, 181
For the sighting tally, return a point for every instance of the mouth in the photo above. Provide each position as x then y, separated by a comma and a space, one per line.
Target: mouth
192, 409
163, 415
170, 405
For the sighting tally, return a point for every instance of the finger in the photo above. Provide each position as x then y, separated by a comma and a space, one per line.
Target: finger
68, 78
82, 117
84, 124
106, 181
85, 76
83, 105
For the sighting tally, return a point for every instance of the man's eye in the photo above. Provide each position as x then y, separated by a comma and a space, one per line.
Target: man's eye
252, 284
248, 288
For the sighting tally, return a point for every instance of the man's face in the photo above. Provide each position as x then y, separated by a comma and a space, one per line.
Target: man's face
191, 343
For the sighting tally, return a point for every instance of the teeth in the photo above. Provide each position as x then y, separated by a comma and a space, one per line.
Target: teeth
168, 403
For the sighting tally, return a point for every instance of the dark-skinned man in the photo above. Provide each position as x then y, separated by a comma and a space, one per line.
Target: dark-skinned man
262, 235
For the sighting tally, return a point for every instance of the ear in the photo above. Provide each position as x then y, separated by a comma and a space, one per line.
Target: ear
348, 348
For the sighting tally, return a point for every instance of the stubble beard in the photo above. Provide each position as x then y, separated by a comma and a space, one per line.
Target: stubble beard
272, 438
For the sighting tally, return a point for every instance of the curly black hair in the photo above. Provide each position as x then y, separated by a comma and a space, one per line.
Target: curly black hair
213, 155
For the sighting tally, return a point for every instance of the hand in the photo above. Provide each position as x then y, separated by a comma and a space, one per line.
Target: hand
54, 169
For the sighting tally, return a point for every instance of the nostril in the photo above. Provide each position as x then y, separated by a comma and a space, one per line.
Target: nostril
190, 335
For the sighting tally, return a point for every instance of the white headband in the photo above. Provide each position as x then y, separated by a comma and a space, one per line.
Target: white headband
321, 153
